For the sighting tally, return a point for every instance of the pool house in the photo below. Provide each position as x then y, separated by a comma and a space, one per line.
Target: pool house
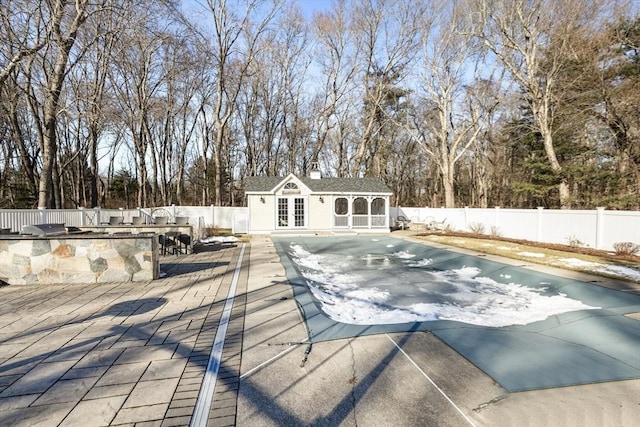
316, 204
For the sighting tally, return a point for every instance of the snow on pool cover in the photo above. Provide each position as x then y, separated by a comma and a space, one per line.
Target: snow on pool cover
358, 285
395, 287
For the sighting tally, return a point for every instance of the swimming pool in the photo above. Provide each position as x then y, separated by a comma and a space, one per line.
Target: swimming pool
509, 321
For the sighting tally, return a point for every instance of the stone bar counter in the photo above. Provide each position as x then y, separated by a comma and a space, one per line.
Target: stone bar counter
78, 258
182, 233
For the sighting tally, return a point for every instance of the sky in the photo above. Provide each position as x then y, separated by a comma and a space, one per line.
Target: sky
310, 6
398, 287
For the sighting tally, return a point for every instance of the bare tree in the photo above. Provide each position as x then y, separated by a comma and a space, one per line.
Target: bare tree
21, 141
24, 32
187, 122
336, 55
91, 102
40, 36
293, 60
24, 28
234, 43
449, 114
172, 122
533, 41
66, 19
388, 33
138, 77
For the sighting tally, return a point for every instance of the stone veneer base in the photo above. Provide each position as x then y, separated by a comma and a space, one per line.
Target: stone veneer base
81, 258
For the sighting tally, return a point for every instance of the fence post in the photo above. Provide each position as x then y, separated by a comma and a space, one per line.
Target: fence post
96, 217
539, 226
43, 214
173, 206
466, 218
213, 216
497, 219
82, 216
599, 226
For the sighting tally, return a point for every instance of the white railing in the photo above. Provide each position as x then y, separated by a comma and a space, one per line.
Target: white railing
378, 221
360, 220
340, 221
598, 228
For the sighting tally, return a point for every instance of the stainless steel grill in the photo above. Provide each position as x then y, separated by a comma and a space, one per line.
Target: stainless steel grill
43, 229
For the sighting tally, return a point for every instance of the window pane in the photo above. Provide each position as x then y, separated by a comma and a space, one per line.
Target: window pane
360, 206
377, 207
298, 211
341, 206
283, 212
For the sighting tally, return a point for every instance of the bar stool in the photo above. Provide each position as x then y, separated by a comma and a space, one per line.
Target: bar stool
184, 240
171, 240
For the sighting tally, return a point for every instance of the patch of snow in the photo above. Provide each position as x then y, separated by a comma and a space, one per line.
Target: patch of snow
531, 254
379, 289
576, 262
616, 270
403, 254
219, 239
419, 263
505, 248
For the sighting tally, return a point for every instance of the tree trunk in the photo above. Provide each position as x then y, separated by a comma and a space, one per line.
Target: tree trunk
49, 144
64, 43
217, 156
564, 192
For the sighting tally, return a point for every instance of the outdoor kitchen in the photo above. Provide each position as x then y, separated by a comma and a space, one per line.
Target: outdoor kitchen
53, 253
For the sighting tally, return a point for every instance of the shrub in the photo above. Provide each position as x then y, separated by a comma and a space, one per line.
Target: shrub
495, 231
216, 231
626, 248
574, 242
476, 228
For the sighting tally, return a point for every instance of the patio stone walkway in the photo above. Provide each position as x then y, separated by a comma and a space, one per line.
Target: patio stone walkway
122, 353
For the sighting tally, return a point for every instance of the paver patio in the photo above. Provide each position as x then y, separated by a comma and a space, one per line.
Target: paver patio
126, 354
113, 354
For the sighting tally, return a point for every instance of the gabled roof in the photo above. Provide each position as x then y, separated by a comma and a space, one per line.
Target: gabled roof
323, 185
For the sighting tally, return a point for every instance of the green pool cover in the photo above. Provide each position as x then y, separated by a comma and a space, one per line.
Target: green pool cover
526, 329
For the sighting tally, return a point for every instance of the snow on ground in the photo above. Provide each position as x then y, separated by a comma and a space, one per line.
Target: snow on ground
622, 272
380, 289
531, 254
615, 270
575, 263
219, 239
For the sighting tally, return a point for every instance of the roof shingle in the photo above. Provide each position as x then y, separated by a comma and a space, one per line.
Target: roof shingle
323, 185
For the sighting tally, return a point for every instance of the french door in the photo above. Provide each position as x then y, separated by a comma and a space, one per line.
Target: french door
291, 212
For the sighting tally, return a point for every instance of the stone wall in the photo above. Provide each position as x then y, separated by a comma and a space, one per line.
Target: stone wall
85, 258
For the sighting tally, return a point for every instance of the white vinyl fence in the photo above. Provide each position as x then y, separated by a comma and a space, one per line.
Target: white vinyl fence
200, 217
599, 228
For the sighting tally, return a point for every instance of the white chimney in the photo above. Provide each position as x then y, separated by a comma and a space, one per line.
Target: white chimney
315, 171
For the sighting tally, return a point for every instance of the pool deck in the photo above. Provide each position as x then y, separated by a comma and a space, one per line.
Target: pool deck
136, 354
